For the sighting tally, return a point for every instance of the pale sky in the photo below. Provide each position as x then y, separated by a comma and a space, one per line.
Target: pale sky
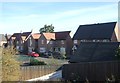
24, 16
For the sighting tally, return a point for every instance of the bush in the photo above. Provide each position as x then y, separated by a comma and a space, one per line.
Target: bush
10, 66
36, 62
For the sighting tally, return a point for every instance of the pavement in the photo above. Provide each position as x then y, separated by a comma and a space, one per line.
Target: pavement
50, 77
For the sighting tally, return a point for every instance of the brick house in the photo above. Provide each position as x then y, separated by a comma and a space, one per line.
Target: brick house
32, 42
25, 38
15, 40
101, 32
55, 42
18, 40
44, 42
63, 42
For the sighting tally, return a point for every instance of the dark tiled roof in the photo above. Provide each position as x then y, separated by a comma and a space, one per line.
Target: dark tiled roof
95, 51
26, 34
57, 35
62, 35
95, 31
17, 36
2, 37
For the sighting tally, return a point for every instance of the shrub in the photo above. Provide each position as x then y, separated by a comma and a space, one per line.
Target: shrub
10, 66
36, 62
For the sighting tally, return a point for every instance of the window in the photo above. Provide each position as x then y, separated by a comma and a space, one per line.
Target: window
42, 41
93, 40
42, 50
75, 41
51, 42
105, 40
48, 41
17, 47
62, 42
11, 42
21, 48
17, 42
98, 40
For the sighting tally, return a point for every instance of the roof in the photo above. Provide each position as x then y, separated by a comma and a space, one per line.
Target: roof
26, 34
36, 35
62, 35
95, 51
2, 37
23, 35
95, 31
16, 36
57, 35
49, 36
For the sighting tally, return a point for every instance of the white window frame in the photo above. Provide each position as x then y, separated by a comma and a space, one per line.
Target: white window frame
62, 42
75, 41
48, 41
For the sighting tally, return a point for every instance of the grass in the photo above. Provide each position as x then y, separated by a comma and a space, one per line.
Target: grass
49, 61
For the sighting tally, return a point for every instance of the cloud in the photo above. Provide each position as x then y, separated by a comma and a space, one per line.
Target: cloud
66, 20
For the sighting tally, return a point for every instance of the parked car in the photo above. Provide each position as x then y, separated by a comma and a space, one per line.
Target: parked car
33, 54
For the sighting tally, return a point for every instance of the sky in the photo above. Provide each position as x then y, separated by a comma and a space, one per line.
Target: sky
64, 16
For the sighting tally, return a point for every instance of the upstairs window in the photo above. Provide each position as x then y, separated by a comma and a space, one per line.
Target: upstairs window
62, 41
75, 41
17, 42
93, 40
105, 40
48, 41
42, 41
51, 42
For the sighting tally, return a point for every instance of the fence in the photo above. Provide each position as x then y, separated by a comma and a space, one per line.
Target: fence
93, 71
30, 72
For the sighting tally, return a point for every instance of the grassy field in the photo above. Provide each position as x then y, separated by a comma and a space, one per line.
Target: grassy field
49, 61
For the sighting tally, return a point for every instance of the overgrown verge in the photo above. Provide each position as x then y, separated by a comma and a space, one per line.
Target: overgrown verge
10, 65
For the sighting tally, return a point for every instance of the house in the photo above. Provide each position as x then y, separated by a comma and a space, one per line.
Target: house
63, 42
18, 40
14, 40
3, 40
33, 42
95, 51
55, 42
101, 32
25, 37
44, 40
